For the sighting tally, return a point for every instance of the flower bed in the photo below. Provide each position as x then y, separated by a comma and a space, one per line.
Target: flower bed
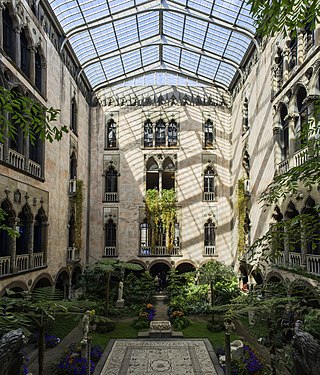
146, 315
178, 319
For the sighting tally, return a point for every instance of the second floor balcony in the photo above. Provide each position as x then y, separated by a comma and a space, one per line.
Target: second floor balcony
160, 251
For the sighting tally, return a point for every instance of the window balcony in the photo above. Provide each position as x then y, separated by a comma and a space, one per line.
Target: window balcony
110, 251
38, 260
297, 159
160, 251
35, 169
72, 186
295, 260
16, 159
5, 265
313, 264
209, 251
22, 262
209, 196
111, 197
73, 255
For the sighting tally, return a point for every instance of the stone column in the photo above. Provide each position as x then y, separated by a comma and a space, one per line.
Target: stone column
303, 248
13, 247
317, 35
17, 46
286, 247
277, 141
32, 64
286, 55
300, 47
2, 7
30, 243
292, 121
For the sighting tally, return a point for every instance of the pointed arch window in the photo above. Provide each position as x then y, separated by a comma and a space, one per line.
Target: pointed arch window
24, 223
209, 193
294, 236
16, 142
172, 133
40, 238
38, 71
301, 135
74, 116
160, 133
8, 34
168, 174
111, 185
293, 48
111, 134
312, 236
309, 36
160, 178
208, 133
5, 239
245, 115
110, 234
209, 238
284, 135
148, 133
25, 54
152, 175
72, 231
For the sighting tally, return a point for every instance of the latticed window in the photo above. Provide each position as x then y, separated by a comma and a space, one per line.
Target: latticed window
208, 133
172, 133
209, 234
40, 232
160, 133
25, 54
148, 134
22, 242
111, 134
111, 185
209, 184
110, 233
293, 47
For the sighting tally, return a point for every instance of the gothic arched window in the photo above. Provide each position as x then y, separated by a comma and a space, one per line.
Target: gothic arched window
111, 133
172, 133
22, 242
25, 54
294, 230
5, 239
148, 134
38, 70
40, 232
110, 234
209, 184
111, 185
160, 133
302, 125
8, 34
74, 116
208, 133
284, 135
209, 237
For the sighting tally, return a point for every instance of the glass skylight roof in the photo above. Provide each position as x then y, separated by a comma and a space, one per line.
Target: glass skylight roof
120, 41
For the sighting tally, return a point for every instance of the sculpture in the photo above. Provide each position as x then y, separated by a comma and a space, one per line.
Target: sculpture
120, 291
307, 351
10, 358
86, 325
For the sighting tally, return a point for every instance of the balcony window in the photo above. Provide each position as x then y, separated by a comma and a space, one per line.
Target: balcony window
209, 185
160, 133
110, 234
111, 134
25, 54
148, 134
8, 34
111, 185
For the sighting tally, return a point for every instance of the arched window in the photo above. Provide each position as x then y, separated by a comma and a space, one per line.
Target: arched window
25, 54
148, 134
209, 184
301, 135
278, 232
72, 231
172, 133
294, 231
22, 242
110, 234
312, 234
74, 115
245, 115
8, 34
111, 185
208, 133
111, 140
16, 142
38, 71
284, 135
309, 36
168, 174
145, 234
160, 133
5, 239
35, 149
209, 237
152, 175
73, 166
40, 232
279, 71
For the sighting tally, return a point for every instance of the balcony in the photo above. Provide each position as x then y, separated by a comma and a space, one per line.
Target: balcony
73, 255
22, 262
209, 196
16, 159
297, 159
111, 197
5, 265
34, 169
72, 186
110, 251
295, 261
313, 264
38, 260
159, 251
208, 251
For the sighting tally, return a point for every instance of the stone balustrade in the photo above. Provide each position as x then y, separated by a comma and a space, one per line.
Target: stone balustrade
160, 251
22, 262
110, 251
5, 265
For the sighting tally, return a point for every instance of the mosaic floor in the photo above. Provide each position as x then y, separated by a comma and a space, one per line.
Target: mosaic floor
154, 357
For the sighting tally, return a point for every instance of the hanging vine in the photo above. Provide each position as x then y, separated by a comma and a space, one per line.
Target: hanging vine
241, 213
79, 209
161, 208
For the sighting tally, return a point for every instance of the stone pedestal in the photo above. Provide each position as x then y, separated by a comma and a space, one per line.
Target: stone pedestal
120, 304
160, 329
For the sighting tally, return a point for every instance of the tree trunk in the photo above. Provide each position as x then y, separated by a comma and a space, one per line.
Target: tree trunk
107, 292
41, 344
212, 289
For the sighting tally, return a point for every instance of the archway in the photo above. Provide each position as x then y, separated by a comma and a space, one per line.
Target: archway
161, 270
42, 283
75, 279
185, 267
62, 283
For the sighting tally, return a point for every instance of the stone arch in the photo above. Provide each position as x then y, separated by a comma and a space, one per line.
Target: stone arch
62, 282
139, 262
43, 280
159, 264
17, 285
75, 277
185, 266
274, 276
303, 288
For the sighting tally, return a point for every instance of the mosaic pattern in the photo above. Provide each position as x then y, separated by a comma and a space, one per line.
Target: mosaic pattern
166, 357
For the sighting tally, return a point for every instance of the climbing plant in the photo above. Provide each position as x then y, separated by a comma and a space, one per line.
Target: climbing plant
241, 214
161, 208
79, 209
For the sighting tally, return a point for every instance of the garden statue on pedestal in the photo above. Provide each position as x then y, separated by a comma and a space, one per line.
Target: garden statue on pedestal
10, 358
120, 301
86, 325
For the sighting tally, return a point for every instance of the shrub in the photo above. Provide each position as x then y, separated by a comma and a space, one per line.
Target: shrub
146, 315
179, 320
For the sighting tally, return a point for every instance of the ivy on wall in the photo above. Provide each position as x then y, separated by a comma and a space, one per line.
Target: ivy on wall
161, 208
241, 215
79, 209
